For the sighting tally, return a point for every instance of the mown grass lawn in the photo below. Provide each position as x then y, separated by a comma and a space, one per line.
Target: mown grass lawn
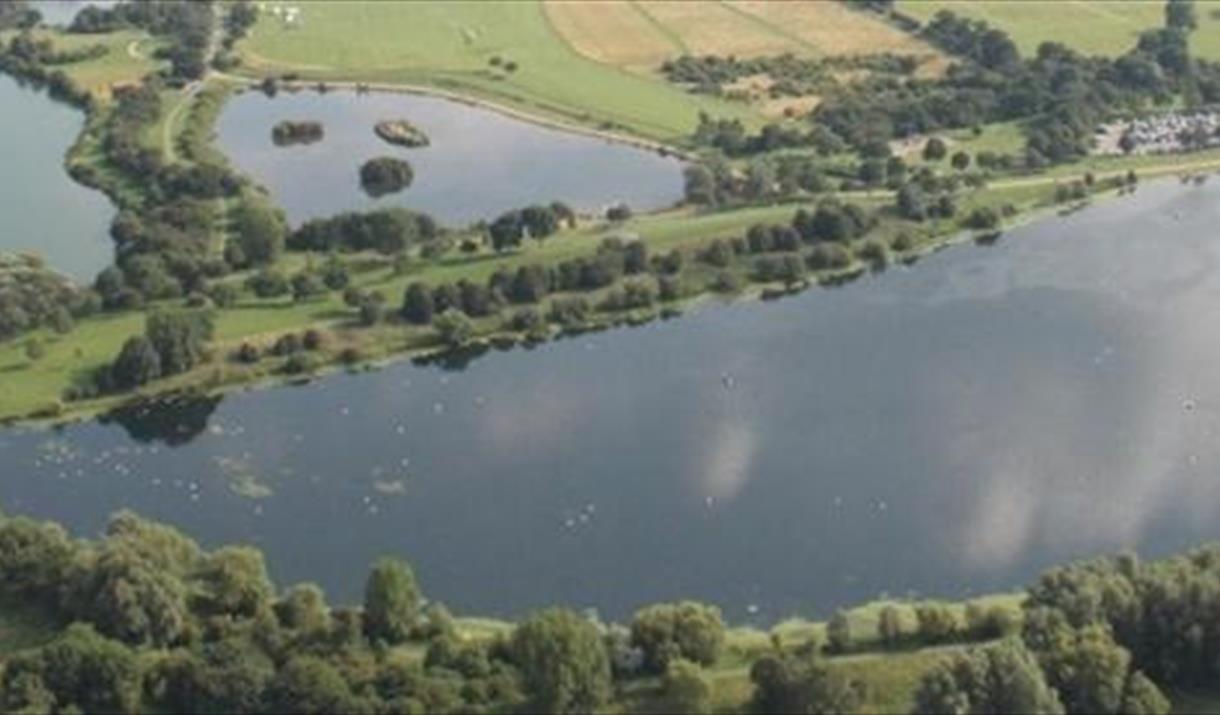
128, 58
451, 45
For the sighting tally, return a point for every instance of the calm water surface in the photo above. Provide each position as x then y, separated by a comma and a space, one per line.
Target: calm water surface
947, 429
479, 163
42, 210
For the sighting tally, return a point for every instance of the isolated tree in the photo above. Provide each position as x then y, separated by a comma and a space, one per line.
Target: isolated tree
417, 305
391, 601
178, 337
454, 327
687, 630
700, 185
563, 663
889, 626
1180, 15
260, 232
838, 633
960, 160
137, 364
934, 149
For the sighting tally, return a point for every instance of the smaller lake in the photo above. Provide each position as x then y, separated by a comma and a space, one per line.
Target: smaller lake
42, 210
480, 162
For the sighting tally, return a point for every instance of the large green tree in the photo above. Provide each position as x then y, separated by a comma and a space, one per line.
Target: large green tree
391, 601
563, 662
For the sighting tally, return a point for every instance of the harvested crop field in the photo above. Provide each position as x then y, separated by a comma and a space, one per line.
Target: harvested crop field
832, 29
615, 32
639, 34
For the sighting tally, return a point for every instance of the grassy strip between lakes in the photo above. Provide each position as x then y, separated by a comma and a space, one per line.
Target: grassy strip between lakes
35, 386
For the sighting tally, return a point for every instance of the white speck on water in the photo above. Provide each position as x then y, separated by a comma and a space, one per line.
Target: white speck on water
1189, 405
405, 462
752, 609
438, 407
345, 411
195, 497
400, 429
727, 380
258, 509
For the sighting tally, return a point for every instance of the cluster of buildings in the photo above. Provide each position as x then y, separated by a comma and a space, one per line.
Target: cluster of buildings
1161, 134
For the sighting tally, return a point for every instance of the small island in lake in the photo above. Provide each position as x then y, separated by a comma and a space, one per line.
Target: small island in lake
402, 133
288, 132
385, 175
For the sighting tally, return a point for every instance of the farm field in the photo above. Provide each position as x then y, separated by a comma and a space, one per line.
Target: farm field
1091, 26
468, 47
639, 35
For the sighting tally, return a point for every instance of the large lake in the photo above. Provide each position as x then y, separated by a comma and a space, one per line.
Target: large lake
479, 163
947, 429
42, 210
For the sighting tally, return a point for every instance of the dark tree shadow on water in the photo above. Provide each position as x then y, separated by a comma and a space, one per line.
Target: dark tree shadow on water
173, 420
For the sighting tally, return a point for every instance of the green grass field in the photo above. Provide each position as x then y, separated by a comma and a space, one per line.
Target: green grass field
128, 57
1093, 26
449, 45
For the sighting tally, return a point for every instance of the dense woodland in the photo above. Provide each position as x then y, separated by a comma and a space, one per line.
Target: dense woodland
147, 621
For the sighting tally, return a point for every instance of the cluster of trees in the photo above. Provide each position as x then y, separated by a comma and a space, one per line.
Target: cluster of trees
34, 60
159, 624
173, 342
531, 284
1064, 94
32, 296
153, 623
1102, 636
385, 175
388, 231
288, 132
18, 14
788, 75
535, 221
187, 24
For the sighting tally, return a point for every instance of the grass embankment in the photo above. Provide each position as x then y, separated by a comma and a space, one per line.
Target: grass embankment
451, 46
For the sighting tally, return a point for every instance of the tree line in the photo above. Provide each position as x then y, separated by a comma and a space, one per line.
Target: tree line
149, 621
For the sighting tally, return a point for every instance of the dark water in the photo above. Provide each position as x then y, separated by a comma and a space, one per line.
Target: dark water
947, 429
42, 210
479, 163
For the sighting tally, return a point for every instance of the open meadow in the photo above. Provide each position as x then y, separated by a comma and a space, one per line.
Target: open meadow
127, 59
1091, 26
504, 52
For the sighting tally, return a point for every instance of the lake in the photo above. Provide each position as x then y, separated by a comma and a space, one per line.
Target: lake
946, 429
42, 210
479, 164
